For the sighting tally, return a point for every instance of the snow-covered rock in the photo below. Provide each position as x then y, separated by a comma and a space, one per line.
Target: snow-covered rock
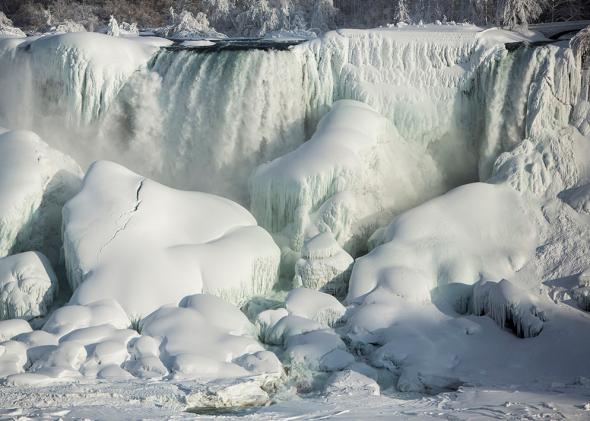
28, 286
349, 382
196, 343
35, 182
11, 328
323, 265
475, 231
72, 317
314, 305
144, 244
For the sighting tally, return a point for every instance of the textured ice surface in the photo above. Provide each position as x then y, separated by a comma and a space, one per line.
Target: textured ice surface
28, 286
35, 182
144, 244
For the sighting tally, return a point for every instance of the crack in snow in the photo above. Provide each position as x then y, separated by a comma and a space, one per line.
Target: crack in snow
129, 214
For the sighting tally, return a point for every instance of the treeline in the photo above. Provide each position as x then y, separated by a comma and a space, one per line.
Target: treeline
254, 17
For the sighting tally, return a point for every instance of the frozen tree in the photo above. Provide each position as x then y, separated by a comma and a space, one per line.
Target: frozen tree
580, 45
113, 27
401, 12
518, 13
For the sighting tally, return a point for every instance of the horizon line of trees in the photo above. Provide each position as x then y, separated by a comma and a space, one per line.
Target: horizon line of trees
256, 17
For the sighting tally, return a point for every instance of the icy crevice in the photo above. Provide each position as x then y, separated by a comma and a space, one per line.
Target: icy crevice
128, 215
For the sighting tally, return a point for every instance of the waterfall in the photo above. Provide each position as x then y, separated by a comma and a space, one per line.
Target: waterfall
206, 120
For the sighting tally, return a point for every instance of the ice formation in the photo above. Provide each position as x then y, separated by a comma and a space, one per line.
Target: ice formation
475, 231
35, 182
323, 265
144, 244
28, 286
450, 286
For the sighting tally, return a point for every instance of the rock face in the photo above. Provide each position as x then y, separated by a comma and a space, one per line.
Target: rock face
35, 182
28, 286
131, 239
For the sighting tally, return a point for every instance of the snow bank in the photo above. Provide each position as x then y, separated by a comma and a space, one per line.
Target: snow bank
144, 244
28, 286
475, 231
35, 182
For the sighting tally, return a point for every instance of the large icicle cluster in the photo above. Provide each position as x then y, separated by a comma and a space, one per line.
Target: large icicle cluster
144, 244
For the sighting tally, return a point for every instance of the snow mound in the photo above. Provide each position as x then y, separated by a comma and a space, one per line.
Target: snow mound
35, 182
144, 244
314, 305
323, 265
341, 181
11, 328
195, 344
28, 286
475, 231
73, 317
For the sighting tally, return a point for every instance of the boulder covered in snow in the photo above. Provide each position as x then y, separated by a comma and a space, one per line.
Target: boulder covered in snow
35, 182
351, 383
207, 339
28, 286
144, 244
475, 231
314, 305
323, 265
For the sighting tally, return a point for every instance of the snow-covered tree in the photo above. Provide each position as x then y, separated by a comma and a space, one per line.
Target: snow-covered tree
518, 13
113, 27
402, 13
580, 45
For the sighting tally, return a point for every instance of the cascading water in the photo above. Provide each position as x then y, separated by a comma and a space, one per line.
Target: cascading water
206, 120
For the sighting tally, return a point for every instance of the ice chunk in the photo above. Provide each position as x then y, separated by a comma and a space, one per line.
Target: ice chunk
324, 265
144, 244
508, 306
35, 182
475, 231
314, 305
72, 317
348, 382
27, 286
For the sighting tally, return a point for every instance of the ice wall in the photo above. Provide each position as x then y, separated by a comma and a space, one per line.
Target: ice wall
205, 120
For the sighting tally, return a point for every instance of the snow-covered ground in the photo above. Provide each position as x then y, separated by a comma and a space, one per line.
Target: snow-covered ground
416, 244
